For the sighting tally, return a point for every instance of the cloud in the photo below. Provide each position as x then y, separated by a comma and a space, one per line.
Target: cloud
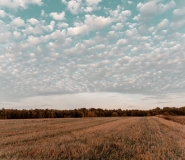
62, 25
93, 2
43, 14
149, 9
57, 16
91, 8
79, 100
91, 23
104, 51
33, 21
35, 40
122, 42
163, 24
177, 24
111, 36
4, 37
161, 102
78, 6
16, 34
18, 22
51, 26
118, 26
165, 7
97, 22
120, 14
74, 31
33, 30
19, 3
73, 5
87, 100
3, 14
179, 12
132, 33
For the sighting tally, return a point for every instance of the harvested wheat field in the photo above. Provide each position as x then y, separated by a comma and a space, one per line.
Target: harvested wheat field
92, 138
178, 119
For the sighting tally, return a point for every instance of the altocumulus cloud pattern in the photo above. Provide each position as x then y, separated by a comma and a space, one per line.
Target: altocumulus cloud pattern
75, 46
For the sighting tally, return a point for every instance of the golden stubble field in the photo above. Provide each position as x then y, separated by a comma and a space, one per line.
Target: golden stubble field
147, 138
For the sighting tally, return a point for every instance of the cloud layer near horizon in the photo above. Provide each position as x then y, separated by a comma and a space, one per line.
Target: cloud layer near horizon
92, 46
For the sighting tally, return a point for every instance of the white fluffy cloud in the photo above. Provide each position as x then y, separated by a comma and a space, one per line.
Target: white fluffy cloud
62, 25
33, 21
51, 26
79, 6
91, 23
93, 2
3, 14
120, 14
16, 34
163, 24
167, 6
147, 8
179, 12
115, 54
151, 8
73, 31
118, 26
178, 24
5, 36
122, 42
97, 22
73, 5
57, 16
17, 22
19, 3
33, 30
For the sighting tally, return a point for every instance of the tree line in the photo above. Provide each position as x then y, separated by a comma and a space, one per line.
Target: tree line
83, 112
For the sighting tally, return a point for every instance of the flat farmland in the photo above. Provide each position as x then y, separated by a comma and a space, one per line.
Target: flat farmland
178, 119
147, 138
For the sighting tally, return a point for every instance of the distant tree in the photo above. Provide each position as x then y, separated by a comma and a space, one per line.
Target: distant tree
91, 114
166, 114
134, 113
124, 114
154, 113
114, 114
83, 112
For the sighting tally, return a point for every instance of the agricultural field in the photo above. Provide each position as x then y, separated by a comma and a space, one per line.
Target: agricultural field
145, 138
178, 119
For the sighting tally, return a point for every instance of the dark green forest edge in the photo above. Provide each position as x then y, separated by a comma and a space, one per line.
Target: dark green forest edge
83, 112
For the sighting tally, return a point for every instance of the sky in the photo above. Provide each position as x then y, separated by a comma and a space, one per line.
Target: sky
66, 54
